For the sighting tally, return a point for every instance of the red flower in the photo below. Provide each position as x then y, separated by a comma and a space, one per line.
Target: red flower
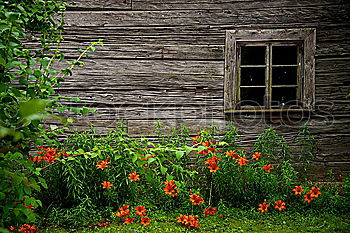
12, 228
196, 199
203, 152
213, 168
140, 211
128, 221
106, 184
232, 154
170, 188
267, 168
206, 144
102, 164
263, 207
298, 190
212, 160
189, 221
340, 178
242, 161
103, 224
210, 211
280, 205
256, 155
212, 150
29, 206
123, 211
26, 228
213, 163
195, 139
315, 192
134, 177
308, 197
145, 221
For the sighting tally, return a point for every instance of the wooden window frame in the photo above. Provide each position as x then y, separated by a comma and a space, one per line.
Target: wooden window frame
306, 73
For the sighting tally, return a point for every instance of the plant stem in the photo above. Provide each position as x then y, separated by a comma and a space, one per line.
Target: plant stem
211, 188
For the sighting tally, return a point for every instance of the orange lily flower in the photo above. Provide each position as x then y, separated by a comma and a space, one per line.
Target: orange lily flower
210, 211
145, 221
106, 184
213, 168
256, 155
298, 190
140, 211
315, 192
242, 161
232, 154
263, 207
280, 205
128, 221
267, 168
102, 164
134, 177
308, 197
196, 199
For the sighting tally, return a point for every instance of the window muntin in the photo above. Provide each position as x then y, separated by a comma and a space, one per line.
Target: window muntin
266, 81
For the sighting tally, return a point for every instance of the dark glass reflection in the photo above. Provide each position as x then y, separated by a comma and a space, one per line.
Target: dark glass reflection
284, 75
253, 55
252, 96
282, 96
252, 76
284, 55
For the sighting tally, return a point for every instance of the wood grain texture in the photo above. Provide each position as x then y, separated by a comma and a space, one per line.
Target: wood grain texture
165, 59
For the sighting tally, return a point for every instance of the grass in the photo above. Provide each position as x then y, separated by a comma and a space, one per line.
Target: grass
236, 220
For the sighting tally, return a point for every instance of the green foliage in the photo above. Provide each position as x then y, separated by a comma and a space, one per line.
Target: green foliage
30, 34
75, 184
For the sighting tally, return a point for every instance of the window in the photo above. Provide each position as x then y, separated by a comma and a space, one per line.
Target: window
269, 70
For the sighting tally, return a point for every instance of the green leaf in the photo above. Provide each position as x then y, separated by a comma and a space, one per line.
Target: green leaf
201, 148
53, 127
189, 149
163, 170
169, 177
134, 158
32, 108
80, 151
70, 120
43, 182
85, 110
179, 154
2, 195
151, 160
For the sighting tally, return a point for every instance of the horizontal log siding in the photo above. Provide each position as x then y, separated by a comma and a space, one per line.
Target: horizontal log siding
165, 60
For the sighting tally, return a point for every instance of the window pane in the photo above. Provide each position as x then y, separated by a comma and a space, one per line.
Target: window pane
282, 96
253, 96
284, 75
284, 55
252, 76
253, 55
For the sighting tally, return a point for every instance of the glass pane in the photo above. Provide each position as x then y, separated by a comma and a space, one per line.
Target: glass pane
253, 96
284, 75
282, 96
252, 76
253, 55
284, 55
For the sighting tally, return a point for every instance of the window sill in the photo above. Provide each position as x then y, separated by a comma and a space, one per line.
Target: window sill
277, 110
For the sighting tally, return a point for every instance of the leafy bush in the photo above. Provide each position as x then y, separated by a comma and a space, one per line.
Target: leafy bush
173, 173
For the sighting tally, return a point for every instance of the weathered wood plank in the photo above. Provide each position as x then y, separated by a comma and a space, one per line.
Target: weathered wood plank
147, 97
160, 81
100, 4
223, 4
183, 67
185, 51
319, 14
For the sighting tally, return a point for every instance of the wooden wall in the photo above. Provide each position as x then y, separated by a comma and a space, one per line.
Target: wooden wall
164, 60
